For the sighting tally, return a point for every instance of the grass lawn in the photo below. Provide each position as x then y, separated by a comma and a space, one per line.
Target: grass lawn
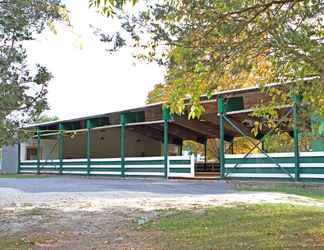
308, 190
243, 227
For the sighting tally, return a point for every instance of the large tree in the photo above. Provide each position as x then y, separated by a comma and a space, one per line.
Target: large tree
216, 44
23, 87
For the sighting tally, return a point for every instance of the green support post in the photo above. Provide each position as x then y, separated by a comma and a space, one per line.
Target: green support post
122, 143
61, 146
296, 101
205, 151
38, 150
221, 113
88, 125
166, 117
19, 155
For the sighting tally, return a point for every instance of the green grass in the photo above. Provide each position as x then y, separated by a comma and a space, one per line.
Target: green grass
13, 243
243, 227
307, 190
20, 176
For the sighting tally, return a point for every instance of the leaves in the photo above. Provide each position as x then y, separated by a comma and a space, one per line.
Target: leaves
23, 89
217, 45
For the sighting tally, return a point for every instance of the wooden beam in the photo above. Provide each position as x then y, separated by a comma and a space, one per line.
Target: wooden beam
182, 132
155, 134
213, 120
199, 126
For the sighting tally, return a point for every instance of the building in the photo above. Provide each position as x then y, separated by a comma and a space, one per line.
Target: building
147, 141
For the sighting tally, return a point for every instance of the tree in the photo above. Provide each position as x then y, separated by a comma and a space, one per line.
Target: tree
216, 44
45, 118
23, 88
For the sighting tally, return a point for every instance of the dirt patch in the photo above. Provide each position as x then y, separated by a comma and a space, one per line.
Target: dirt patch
43, 228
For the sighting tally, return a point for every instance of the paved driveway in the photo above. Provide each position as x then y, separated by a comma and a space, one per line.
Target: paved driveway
53, 189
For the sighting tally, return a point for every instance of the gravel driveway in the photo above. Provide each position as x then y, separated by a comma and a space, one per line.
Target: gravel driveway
53, 189
102, 213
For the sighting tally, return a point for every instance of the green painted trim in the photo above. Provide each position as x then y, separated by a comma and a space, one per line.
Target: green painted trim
274, 170
75, 169
205, 151
149, 162
259, 160
180, 170
310, 159
166, 147
88, 145
106, 169
122, 143
221, 113
144, 170
109, 163
296, 101
180, 162
75, 163
52, 169
166, 117
28, 164
38, 149
317, 170
24, 168
61, 145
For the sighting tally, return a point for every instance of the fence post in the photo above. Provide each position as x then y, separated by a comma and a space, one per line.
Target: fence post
61, 146
166, 117
122, 143
88, 125
205, 151
38, 149
221, 113
296, 102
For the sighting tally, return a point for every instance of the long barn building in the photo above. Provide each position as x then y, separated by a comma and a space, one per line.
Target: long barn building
148, 141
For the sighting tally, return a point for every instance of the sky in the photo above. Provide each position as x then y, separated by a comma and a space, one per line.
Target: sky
87, 79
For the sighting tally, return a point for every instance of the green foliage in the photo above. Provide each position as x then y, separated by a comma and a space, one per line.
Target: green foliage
46, 118
23, 89
109, 7
213, 45
158, 94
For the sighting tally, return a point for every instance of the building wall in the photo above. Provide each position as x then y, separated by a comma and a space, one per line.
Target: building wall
9, 159
49, 149
106, 144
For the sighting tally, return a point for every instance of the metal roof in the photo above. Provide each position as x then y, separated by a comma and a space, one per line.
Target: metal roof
225, 92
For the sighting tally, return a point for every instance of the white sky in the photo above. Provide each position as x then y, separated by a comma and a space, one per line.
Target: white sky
89, 80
